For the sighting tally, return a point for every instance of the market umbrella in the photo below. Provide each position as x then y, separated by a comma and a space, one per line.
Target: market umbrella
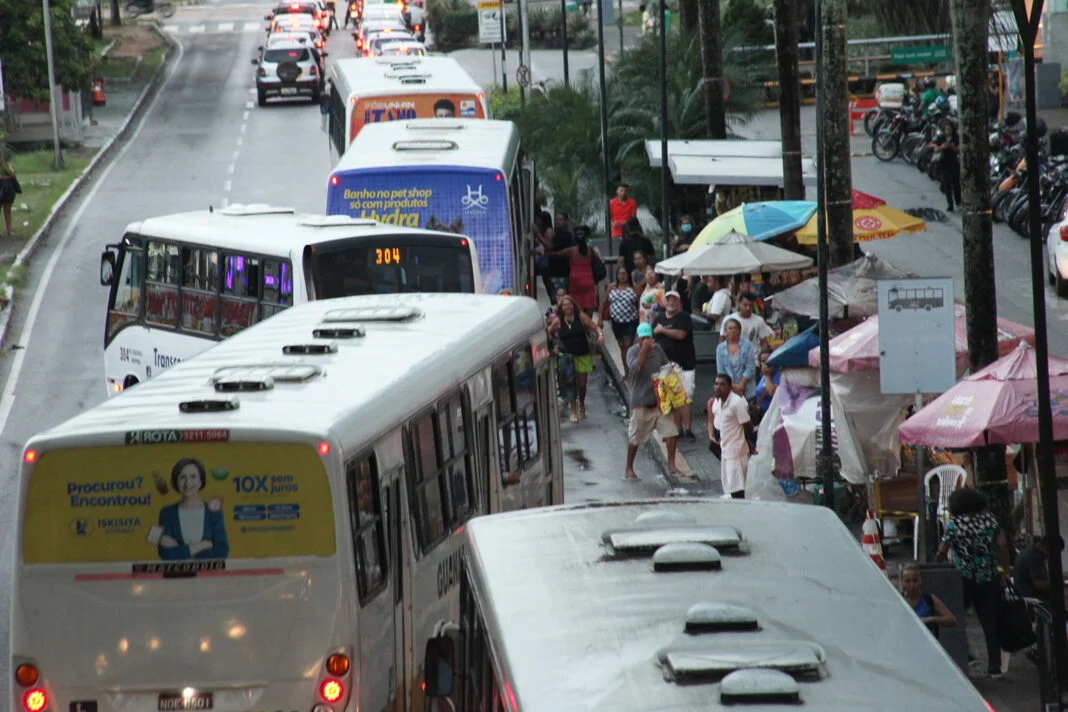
853, 287
758, 220
873, 219
732, 253
858, 348
794, 352
995, 405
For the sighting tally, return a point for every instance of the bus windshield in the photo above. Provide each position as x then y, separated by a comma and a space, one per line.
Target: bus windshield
468, 201
138, 502
401, 265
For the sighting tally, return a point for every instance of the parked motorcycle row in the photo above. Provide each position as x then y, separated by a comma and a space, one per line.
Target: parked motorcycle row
907, 133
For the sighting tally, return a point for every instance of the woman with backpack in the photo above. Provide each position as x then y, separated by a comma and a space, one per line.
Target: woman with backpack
929, 607
586, 270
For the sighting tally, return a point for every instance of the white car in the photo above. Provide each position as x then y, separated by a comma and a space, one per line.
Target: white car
1057, 252
376, 40
402, 48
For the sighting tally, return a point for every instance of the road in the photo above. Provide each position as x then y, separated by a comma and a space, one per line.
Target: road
203, 142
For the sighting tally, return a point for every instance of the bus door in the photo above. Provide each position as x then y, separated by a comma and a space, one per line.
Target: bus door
401, 556
526, 199
485, 458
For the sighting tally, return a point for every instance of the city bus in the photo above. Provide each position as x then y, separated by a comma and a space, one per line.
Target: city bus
686, 605
465, 176
373, 90
925, 298
180, 282
276, 523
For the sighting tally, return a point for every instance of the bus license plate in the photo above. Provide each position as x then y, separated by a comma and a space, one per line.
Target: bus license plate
289, 91
182, 702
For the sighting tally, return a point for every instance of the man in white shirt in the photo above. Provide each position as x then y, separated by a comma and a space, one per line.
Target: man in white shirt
729, 416
754, 328
715, 301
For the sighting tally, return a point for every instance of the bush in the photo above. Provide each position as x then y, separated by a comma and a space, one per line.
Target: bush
460, 27
505, 107
436, 12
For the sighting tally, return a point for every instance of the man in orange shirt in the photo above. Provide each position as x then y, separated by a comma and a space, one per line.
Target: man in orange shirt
623, 208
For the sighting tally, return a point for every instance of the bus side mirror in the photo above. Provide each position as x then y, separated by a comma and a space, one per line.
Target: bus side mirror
438, 667
107, 268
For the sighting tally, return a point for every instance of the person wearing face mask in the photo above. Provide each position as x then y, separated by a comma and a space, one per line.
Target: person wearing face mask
673, 332
687, 233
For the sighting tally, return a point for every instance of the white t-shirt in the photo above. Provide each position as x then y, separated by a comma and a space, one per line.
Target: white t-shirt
720, 304
191, 522
729, 418
753, 329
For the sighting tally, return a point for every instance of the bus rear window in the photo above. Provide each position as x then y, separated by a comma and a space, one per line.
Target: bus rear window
189, 500
385, 268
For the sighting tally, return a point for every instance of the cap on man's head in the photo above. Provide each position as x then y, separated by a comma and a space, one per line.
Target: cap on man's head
672, 293
645, 331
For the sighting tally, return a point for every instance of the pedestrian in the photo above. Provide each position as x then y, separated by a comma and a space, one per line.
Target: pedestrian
652, 301
559, 268
754, 328
543, 238
932, 611
9, 188
734, 357
981, 554
634, 240
949, 164
993, 97
1030, 573
621, 308
685, 236
673, 331
767, 384
621, 209
644, 360
581, 281
718, 305
571, 327
331, 11
931, 94
728, 415
641, 265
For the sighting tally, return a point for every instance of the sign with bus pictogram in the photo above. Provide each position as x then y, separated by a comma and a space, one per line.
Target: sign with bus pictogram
917, 335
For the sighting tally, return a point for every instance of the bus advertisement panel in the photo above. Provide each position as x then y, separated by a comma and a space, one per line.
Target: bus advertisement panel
469, 202
196, 499
396, 107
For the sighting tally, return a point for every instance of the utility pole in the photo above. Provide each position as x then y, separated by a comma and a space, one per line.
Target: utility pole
53, 95
607, 194
116, 20
970, 33
786, 39
563, 34
504, 54
712, 68
1027, 21
522, 52
825, 455
619, 24
665, 167
834, 106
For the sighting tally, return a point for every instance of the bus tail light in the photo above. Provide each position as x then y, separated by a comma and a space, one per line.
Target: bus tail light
337, 664
29, 457
333, 180
324, 450
26, 674
331, 690
35, 700
1064, 233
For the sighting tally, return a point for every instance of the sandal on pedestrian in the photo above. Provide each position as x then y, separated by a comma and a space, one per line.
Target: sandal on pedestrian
574, 418
585, 415
625, 478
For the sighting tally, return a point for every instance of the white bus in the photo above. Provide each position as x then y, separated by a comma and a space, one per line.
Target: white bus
469, 177
180, 282
276, 523
685, 605
374, 90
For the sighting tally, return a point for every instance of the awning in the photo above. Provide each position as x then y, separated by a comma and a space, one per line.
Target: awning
739, 148
707, 170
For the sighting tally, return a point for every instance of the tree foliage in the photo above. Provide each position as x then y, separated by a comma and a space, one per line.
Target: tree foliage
748, 20
22, 49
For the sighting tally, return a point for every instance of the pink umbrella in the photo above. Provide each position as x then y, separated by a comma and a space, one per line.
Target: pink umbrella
995, 405
858, 348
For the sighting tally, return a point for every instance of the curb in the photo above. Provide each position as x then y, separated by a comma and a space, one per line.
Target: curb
27, 251
654, 446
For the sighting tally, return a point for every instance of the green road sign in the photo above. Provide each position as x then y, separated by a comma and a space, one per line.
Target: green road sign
922, 54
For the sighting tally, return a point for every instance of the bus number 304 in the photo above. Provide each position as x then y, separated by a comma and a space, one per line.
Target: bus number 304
387, 256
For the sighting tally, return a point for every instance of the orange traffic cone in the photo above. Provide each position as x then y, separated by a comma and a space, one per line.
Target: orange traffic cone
98, 91
873, 547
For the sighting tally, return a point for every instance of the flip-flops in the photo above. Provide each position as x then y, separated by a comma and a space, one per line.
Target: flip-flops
631, 479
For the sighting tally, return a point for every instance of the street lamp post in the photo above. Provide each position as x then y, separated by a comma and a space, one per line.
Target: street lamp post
665, 201
604, 124
1028, 24
563, 35
825, 457
57, 160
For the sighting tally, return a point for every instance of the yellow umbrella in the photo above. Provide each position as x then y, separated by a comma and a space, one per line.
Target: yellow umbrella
873, 219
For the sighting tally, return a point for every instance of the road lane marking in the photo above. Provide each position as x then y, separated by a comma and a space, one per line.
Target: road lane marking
230, 169
248, 105
173, 29
245, 117
252, 27
234, 155
224, 27
240, 140
194, 29
7, 398
227, 185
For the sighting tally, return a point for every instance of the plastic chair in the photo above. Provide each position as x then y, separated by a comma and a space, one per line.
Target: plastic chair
950, 478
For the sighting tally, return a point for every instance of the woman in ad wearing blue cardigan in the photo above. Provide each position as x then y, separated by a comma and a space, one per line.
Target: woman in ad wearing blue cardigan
191, 528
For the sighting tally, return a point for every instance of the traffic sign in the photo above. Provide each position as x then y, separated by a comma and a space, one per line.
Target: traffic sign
489, 21
522, 75
923, 54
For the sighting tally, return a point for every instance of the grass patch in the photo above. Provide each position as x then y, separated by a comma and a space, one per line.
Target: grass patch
42, 186
632, 19
15, 275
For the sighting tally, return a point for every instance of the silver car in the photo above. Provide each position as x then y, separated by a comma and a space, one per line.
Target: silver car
288, 69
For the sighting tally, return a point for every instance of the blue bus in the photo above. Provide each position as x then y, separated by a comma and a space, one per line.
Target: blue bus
464, 176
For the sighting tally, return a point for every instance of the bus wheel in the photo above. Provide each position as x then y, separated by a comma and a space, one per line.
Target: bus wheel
130, 382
